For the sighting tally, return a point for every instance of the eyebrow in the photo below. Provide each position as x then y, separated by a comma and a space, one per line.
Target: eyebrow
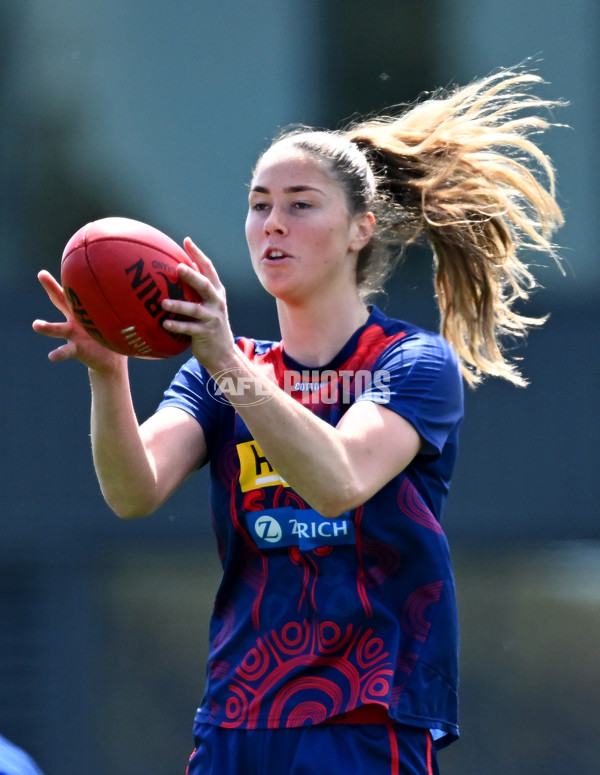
289, 190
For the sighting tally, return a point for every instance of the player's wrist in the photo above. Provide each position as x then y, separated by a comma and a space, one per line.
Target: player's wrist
112, 369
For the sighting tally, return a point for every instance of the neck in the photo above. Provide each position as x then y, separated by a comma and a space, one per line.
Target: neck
313, 333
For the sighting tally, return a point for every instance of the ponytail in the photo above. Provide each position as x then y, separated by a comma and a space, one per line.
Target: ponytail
461, 170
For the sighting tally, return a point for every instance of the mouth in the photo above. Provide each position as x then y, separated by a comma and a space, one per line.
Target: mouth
274, 255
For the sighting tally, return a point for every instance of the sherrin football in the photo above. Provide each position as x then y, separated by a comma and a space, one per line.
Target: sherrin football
115, 272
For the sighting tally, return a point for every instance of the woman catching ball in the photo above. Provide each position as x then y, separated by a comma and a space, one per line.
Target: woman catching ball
333, 641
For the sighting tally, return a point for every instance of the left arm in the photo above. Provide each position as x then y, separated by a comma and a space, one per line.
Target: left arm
334, 469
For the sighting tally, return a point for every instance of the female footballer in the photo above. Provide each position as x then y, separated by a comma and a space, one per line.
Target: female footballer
333, 641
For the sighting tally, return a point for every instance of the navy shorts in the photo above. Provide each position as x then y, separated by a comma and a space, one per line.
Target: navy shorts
323, 749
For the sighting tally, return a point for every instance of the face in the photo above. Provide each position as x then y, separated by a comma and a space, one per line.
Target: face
303, 241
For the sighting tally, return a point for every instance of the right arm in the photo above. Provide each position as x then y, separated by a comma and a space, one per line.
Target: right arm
138, 467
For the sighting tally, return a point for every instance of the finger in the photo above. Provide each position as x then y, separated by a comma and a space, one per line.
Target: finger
54, 290
54, 330
187, 327
190, 327
199, 282
202, 261
188, 309
63, 353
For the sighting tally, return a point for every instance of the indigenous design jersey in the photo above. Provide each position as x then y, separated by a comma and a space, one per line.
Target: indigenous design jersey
315, 617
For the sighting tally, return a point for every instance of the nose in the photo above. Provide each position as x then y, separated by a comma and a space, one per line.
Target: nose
275, 222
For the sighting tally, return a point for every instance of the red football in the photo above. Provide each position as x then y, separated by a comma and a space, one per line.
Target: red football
115, 272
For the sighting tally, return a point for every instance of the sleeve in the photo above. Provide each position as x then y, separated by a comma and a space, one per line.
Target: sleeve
419, 378
190, 390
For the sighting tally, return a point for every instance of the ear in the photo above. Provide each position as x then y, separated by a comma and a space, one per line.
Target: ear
362, 231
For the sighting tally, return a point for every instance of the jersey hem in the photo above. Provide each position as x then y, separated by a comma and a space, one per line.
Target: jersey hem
449, 731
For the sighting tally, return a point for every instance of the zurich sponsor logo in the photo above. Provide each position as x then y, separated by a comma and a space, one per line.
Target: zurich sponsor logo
268, 528
304, 528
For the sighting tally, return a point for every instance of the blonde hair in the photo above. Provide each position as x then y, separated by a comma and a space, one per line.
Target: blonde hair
461, 170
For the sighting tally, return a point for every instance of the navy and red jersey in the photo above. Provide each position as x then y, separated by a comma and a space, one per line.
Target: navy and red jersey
315, 617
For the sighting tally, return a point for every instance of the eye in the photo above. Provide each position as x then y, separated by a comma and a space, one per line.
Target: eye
258, 206
302, 205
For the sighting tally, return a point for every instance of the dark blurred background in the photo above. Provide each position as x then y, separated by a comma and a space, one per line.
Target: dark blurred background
157, 110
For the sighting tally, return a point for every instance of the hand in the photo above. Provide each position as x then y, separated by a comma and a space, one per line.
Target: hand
206, 322
80, 345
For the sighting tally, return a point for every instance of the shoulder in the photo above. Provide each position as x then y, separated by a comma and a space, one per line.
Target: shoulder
411, 346
417, 375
